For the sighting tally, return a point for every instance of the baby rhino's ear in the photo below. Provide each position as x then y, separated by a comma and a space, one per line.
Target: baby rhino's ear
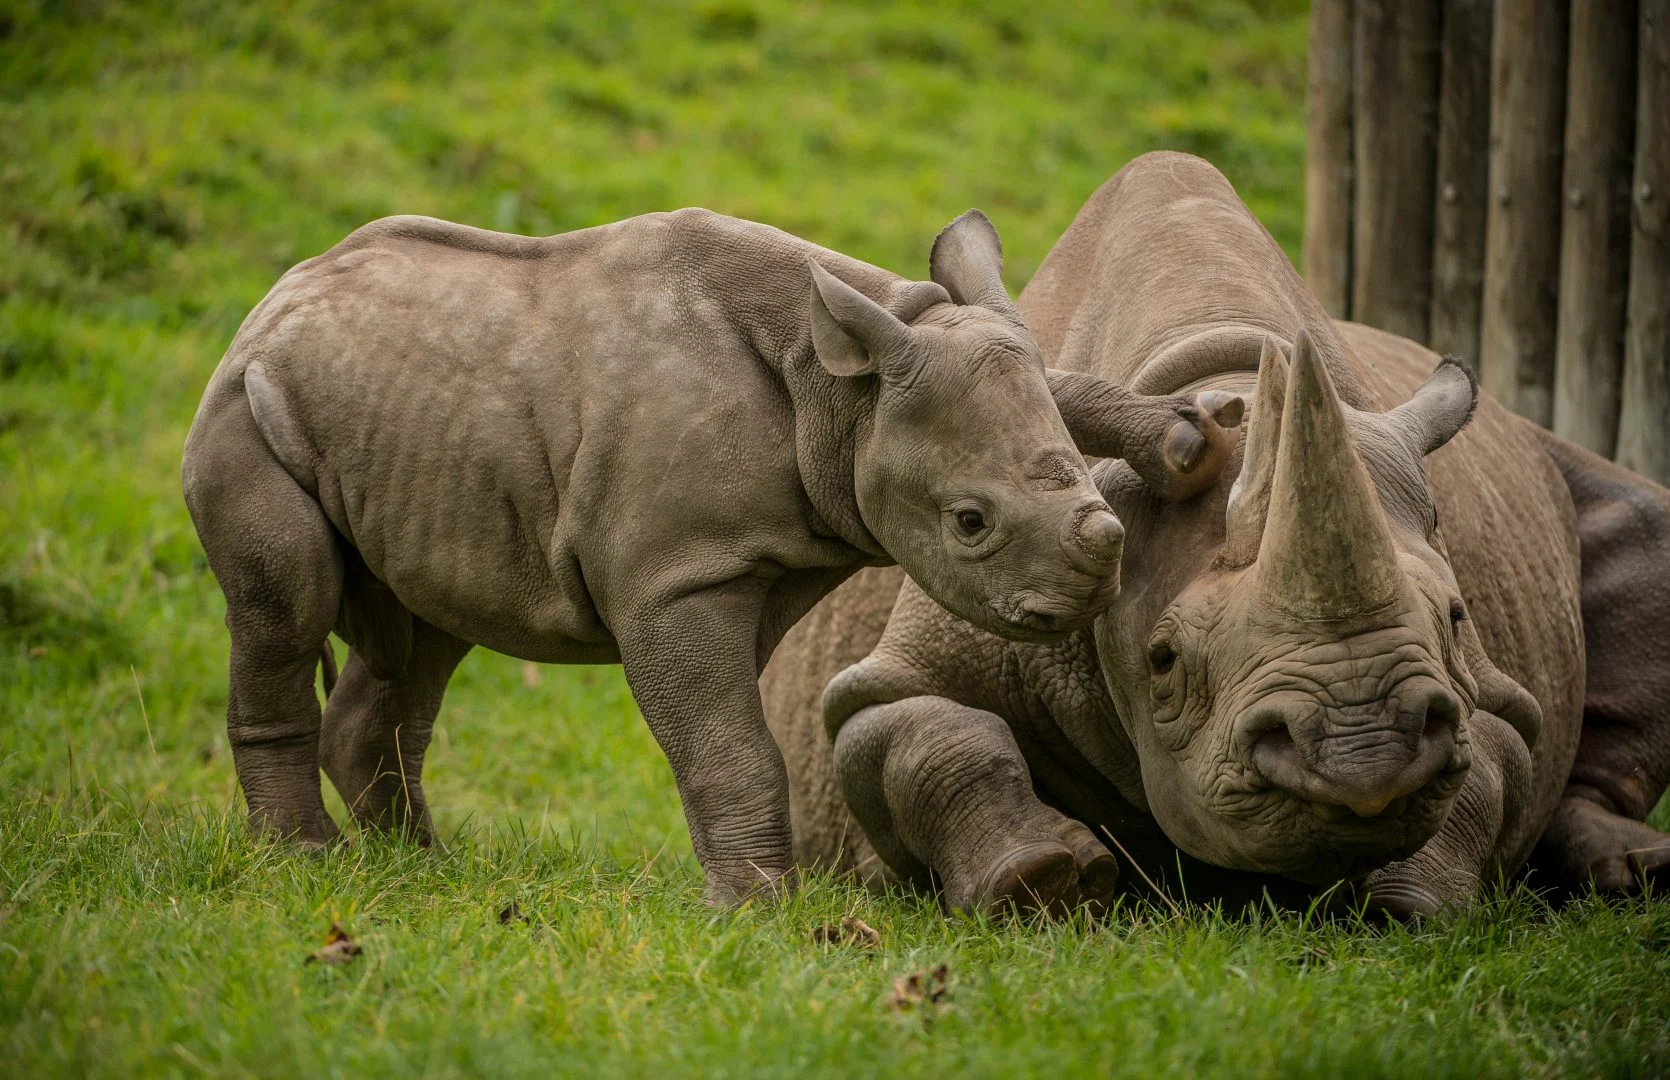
849, 330
968, 260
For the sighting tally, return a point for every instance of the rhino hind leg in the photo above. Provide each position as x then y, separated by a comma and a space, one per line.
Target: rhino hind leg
1623, 756
377, 727
1587, 843
943, 793
277, 561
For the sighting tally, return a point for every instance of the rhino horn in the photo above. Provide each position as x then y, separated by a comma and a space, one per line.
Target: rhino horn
1326, 552
1249, 498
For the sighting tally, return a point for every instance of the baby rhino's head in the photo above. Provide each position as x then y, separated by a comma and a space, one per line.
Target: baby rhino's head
964, 471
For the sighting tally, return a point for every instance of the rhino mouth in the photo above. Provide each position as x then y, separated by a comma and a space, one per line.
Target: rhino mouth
1336, 798
1040, 617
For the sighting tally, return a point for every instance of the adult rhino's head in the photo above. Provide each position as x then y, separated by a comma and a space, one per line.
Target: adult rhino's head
1308, 695
963, 469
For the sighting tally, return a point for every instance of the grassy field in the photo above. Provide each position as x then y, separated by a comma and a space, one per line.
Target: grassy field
161, 164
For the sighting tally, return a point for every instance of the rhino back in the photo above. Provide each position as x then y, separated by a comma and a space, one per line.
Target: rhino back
469, 408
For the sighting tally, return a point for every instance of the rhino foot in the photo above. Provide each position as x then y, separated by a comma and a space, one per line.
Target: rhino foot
1585, 842
1053, 876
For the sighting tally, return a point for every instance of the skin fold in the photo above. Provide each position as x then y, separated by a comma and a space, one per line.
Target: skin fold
658, 442
1405, 642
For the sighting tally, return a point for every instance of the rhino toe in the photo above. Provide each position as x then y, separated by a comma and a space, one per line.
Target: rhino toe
1033, 877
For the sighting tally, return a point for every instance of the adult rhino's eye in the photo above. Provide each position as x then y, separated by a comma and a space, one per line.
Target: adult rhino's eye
1161, 656
971, 522
1457, 613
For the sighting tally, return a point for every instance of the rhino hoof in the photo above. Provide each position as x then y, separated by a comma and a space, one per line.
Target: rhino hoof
1034, 877
1052, 877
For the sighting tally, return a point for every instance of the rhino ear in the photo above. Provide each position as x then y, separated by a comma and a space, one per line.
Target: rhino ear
849, 330
967, 260
1439, 409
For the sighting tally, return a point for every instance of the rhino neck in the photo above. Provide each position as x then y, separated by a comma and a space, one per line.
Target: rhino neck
831, 415
757, 277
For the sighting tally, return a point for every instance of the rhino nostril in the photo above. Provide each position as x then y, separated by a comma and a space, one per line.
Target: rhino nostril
1443, 714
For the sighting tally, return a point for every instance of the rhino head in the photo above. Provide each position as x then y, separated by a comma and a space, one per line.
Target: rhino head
1303, 702
963, 468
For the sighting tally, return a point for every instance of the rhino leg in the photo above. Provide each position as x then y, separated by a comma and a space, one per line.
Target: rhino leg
1445, 875
693, 665
1623, 756
276, 559
943, 788
376, 731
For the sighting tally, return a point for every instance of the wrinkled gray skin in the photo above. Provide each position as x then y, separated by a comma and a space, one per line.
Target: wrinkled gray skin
1375, 652
658, 442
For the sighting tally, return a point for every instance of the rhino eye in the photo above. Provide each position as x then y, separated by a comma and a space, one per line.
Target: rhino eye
1457, 613
970, 522
1161, 657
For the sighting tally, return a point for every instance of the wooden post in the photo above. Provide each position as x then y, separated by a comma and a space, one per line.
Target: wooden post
1522, 230
1594, 233
1394, 132
1463, 179
1644, 424
1327, 252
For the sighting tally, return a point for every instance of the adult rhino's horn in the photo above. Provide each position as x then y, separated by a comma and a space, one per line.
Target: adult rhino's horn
1326, 552
967, 260
1249, 498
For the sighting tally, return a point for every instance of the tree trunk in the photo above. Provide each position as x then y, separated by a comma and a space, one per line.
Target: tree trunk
1643, 442
1522, 232
1594, 234
1463, 180
1394, 129
1327, 253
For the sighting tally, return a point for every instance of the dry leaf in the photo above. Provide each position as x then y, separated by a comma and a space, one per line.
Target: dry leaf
530, 674
924, 990
338, 949
37, 652
851, 931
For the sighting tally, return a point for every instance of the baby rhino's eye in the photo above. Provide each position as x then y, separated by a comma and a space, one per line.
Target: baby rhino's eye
970, 521
1161, 657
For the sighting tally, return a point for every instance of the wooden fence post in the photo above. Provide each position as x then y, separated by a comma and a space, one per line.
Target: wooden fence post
1463, 180
1644, 422
1327, 250
1522, 231
1394, 134
1594, 233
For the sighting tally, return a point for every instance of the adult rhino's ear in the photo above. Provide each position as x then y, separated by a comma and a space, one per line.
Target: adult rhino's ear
967, 260
1439, 409
849, 330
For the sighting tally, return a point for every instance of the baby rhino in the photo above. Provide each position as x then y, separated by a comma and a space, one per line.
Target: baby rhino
657, 442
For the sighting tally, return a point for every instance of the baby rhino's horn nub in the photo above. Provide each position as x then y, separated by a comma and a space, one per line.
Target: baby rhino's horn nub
1102, 536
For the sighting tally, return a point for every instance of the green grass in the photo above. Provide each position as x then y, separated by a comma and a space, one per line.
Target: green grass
161, 164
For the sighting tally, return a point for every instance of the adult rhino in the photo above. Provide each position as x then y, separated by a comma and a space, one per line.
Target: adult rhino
658, 442
1375, 651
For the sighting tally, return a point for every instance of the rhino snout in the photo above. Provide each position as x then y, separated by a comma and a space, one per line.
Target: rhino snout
1095, 540
1368, 768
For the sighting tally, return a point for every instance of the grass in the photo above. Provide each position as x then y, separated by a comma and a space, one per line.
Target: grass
161, 164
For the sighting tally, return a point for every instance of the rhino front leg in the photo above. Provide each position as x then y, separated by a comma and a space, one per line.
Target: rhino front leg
693, 667
941, 787
1447, 873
